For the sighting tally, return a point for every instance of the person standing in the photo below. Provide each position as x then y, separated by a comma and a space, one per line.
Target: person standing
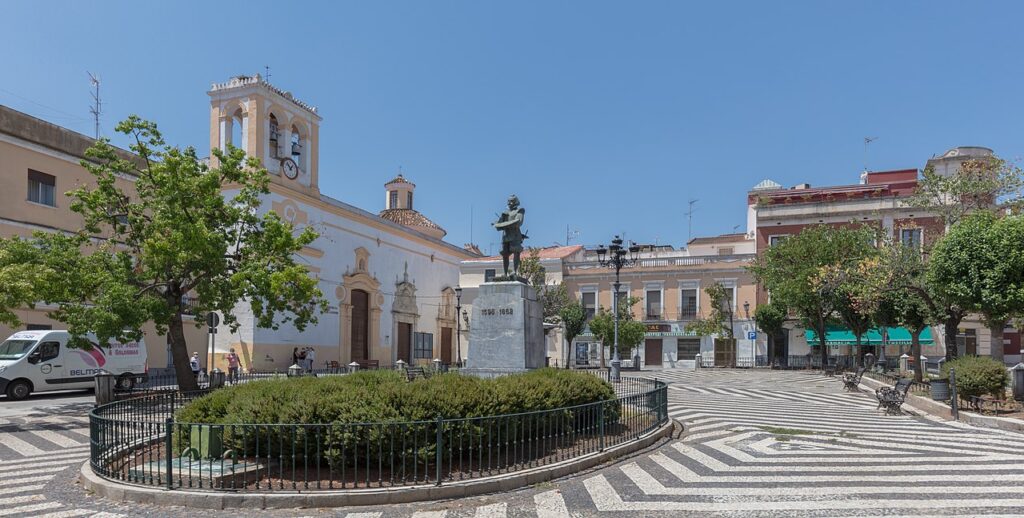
193, 363
310, 359
233, 363
295, 356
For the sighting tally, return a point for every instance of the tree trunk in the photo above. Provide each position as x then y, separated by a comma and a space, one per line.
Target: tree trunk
602, 355
860, 350
771, 350
915, 351
951, 327
824, 348
996, 349
179, 352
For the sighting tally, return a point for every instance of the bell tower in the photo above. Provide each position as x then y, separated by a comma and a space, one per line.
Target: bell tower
269, 124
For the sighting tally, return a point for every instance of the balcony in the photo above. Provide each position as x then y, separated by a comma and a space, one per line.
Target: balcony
188, 305
688, 313
654, 314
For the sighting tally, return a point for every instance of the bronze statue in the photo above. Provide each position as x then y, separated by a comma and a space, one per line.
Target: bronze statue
510, 223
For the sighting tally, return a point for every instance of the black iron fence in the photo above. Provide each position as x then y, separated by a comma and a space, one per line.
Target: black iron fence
139, 441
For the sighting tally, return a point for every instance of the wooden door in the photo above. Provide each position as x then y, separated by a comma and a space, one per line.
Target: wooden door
652, 351
446, 345
360, 326
405, 342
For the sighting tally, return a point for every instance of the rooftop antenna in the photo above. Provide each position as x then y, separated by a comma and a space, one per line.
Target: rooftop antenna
471, 223
266, 75
96, 107
689, 221
867, 140
570, 235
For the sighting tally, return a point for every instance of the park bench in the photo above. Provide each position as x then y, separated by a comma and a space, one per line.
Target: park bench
416, 372
851, 380
830, 371
892, 398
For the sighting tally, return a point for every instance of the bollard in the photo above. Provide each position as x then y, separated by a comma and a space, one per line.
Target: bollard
294, 371
104, 387
904, 363
216, 379
869, 360
400, 365
352, 367
437, 364
696, 361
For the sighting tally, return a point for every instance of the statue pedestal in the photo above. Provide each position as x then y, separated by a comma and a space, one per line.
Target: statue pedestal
507, 329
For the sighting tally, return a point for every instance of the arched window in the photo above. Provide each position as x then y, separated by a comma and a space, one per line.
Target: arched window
297, 144
238, 129
274, 134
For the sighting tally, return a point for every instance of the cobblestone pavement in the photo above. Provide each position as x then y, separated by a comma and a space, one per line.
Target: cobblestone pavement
758, 443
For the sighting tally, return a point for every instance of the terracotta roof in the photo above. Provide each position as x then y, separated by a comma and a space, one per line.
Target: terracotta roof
408, 218
724, 238
400, 179
551, 252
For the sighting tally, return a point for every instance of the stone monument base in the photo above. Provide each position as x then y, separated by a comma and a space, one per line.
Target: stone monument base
507, 329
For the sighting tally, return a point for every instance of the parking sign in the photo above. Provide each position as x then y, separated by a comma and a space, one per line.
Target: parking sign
751, 335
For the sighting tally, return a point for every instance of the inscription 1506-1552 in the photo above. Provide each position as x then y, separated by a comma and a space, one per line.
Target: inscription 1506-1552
488, 312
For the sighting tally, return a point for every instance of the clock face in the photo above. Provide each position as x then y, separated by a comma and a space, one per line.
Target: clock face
290, 169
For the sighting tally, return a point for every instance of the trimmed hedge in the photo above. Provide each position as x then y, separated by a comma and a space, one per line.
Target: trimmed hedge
344, 411
977, 376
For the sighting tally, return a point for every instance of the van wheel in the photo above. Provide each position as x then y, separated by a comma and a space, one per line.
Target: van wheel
18, 389
126, 382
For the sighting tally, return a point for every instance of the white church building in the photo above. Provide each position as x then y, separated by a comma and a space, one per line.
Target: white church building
389, 276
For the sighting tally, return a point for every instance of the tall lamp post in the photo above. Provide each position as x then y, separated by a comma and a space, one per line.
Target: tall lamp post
615, 256
458, 325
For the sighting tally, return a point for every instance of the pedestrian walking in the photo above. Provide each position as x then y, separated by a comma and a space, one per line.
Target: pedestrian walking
193, 362
233, 364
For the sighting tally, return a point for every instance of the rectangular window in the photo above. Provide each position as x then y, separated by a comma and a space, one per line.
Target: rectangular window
688, 306
423, 346
725, 250
489, 275
589, 300
911, 237
774, 240
687, 348
38, 327
409, 199
393, 200
653, 304
42, 188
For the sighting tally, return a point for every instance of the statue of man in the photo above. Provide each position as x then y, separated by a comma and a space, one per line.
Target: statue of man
510, 223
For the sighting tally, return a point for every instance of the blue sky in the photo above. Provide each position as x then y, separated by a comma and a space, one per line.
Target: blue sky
606, 117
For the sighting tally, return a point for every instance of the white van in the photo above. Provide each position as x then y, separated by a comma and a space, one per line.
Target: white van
41, 361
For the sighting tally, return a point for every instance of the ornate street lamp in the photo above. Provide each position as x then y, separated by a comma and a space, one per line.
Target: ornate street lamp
618, 257
458, 325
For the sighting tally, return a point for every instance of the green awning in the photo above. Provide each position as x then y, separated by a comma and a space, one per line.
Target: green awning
843, 336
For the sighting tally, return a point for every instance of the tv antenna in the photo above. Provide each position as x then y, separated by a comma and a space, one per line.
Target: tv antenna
96, 107
689, 220
570, 235
867, 140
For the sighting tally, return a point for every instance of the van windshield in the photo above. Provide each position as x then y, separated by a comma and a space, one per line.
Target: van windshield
14, 349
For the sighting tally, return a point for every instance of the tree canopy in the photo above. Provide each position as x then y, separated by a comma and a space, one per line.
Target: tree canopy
574, 319
719, 321
187, 230
792, 271
631, 331
980, 184
553, 296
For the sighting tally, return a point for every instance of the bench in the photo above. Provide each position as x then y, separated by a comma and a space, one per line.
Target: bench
851, 380
830, 371
368, 364
416, 372
892, 398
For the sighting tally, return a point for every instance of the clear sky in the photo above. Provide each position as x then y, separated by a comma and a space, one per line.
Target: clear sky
606, 117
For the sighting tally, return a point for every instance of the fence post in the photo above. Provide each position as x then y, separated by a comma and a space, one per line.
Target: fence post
169, 445
954, 404
439, 454
600, 426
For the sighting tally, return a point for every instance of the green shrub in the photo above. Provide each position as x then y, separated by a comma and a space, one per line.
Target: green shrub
343, 414
977, 376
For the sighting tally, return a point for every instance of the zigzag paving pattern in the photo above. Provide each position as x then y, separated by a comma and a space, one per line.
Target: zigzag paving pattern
757, 443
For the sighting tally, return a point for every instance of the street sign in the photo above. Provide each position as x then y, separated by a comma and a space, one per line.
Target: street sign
751, 335
212, 320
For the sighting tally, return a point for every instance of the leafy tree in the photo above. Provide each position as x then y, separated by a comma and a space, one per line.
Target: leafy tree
720, 321
553, 297
574, 319
769, 318
631, 331
980, 184
791, 272
178, 235
980, 264
845, 282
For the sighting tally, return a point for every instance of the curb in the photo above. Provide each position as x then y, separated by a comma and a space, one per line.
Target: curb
363, 497
939, 409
